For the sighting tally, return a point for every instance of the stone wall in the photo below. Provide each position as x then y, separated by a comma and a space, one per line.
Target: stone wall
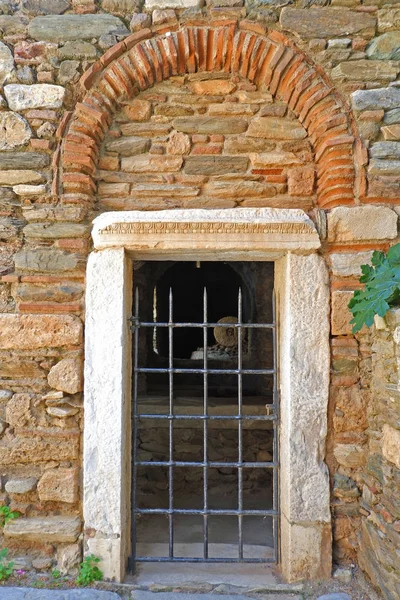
293, 106
380, 500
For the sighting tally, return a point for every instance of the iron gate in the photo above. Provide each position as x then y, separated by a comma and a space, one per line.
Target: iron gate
272, 414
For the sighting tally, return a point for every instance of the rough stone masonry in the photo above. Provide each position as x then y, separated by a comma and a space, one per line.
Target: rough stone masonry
124, 104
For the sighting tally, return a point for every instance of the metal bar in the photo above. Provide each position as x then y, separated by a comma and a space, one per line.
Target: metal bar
134, 433
210, 511
206, 417
205, 427
275, 475
154, 559
211, 325
171, 425
209, 371
240, 425
181, 463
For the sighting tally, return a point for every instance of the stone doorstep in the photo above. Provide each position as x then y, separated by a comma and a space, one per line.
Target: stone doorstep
206, 591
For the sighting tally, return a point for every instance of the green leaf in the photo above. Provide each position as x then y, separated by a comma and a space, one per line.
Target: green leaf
393, 255
377, 258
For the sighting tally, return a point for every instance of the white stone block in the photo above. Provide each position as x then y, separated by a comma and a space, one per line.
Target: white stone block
38, 95
349, 265
391, 444
361, 223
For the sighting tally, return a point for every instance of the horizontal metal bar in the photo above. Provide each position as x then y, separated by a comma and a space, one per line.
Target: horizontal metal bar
137, 323
209, 371
210, 511
155, 559
207, 417
183, 463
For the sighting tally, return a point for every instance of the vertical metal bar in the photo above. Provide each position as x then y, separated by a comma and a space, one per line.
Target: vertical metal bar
275, 481
205, 426
134, 430
171, 431
240, 424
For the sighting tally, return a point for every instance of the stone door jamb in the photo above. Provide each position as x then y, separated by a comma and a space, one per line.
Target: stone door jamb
287, 237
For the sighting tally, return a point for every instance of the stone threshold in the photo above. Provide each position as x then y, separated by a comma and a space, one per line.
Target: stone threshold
203, 588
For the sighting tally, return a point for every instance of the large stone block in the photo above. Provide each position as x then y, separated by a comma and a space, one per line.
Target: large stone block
215, 165
341, 315
27, 332
388, 19
151, 4
6, 63
37, 447
15, 177
209, 126
55, 230
46, 529
45, 260
59, 485
45, 7
18, 410
351, 456
387, 149
276, 129
67, 376
151, 164
38, 95
349, 264
326, 22
65, 28
385, 47
129, 145
15, 131
21, 486
378, 166
23, 160
361, 223
365, 70
382, 98
391, 444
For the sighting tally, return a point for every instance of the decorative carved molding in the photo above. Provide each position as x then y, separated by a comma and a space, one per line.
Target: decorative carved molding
163, 228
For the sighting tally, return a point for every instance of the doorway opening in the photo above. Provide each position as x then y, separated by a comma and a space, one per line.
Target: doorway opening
205, 413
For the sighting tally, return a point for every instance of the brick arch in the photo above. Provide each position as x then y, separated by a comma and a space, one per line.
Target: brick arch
271, 61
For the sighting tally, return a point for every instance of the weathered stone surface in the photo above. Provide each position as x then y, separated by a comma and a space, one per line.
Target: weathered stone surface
212, 87
38, 95
335, 596
243, 144
26, 332
45, 260
129, 145
273, 159
326, 22
119, 7
341, 315
388, 19
349, 265
12, 177
391, 444
67, 376
21, 486
151, 164
13, 25
46, 529
391, 132
385, 98
385, 47
18, 410
361, 223
365, 70
237, 188
21, 368
392, 116
59, 485
6, 63
164, 16
215, 165
45, 7
385, 150
276, 129
23, 160
69, 71
349, 455
69, 557
29, 190
137, 110
15, 131
77, 50
42, 564
55, 230
178, 143
378, 166
140, 21
65, 28
301, 181
151, 4
24, 593
209, 125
